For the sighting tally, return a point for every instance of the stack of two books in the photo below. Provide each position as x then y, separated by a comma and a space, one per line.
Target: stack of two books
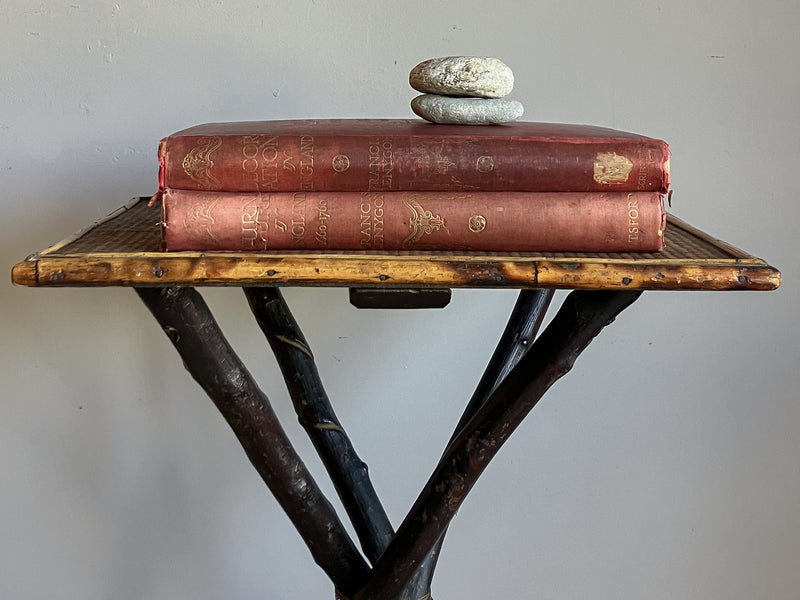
406, 185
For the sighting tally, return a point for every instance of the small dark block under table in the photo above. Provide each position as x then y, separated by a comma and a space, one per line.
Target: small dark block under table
123, 249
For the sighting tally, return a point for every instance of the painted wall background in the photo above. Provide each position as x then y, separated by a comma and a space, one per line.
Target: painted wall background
664, 466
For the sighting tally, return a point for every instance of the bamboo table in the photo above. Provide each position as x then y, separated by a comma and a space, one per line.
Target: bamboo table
123, 250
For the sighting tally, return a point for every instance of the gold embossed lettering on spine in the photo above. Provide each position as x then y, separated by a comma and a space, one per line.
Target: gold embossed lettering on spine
376, 220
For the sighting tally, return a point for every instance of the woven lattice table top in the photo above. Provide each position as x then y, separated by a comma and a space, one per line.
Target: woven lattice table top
124, 249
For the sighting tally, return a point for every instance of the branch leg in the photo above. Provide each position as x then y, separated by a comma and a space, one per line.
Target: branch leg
190, 326
582, 316
348, 472
522, 327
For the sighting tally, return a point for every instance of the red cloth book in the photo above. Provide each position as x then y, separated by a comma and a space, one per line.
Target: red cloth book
410, 155
397, 221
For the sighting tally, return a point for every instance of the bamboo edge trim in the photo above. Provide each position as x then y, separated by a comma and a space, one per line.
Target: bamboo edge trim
243, 257
55, 272
26, 273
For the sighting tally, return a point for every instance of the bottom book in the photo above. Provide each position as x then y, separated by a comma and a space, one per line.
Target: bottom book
454, 221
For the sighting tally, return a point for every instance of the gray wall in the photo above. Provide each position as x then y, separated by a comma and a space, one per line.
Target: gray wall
665, 466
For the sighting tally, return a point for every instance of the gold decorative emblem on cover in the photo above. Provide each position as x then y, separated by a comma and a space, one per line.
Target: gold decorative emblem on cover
197, 163
340, 163
610, 167
423, 222
477, 223
443, 164
199, 220
485, 164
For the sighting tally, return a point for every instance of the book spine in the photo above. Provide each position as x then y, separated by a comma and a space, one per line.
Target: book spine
452, 221
265, 163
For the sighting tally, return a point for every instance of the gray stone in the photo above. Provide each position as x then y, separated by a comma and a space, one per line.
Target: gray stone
466, 111
469, 76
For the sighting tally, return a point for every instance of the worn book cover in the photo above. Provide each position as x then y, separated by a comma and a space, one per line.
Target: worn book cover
410, 155
453, 221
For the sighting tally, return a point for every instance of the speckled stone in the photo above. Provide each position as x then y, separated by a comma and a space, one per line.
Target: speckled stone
466, 76
466, 111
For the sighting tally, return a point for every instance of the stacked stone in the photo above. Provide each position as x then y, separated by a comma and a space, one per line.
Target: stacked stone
464, 90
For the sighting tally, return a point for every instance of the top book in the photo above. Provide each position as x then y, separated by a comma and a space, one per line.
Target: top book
410, 155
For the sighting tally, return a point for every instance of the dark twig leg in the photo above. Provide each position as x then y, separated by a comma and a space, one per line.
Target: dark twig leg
316, 415
187, 321
523, 325
582, 316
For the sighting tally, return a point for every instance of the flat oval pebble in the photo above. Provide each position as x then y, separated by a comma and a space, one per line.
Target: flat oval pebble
466, 111
470, 76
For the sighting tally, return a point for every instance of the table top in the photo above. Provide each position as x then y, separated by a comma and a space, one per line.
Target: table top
123, 249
